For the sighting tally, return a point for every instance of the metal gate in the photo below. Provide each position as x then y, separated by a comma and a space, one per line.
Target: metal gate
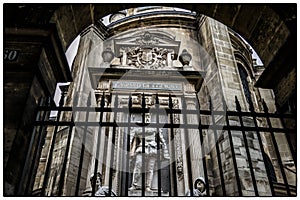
203, 127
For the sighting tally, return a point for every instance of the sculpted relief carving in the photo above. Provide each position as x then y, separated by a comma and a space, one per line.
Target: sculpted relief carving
147, 40
147, 50
147, 58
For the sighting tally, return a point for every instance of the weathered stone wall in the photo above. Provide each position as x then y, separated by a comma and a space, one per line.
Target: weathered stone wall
286, 87
283, 146
187, 37
263, 25
222, 71
211, 49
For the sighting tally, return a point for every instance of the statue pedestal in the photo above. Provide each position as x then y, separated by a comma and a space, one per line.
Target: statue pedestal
153, 193
87, 193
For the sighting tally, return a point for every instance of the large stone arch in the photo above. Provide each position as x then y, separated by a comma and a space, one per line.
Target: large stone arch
270, 29
266, 27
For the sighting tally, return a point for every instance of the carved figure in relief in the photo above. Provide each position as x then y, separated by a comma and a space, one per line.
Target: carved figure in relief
150, 156
199, 188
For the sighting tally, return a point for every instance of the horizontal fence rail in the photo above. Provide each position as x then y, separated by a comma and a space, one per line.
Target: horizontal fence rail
182, 112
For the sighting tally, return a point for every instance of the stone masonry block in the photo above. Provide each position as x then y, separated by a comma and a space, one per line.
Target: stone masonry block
237, 141
241, 163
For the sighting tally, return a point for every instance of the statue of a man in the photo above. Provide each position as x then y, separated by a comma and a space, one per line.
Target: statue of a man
150, 155
199, 188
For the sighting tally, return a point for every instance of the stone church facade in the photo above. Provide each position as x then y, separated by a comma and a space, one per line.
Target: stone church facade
155, 73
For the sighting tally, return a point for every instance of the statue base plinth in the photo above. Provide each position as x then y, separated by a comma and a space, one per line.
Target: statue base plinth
153, 193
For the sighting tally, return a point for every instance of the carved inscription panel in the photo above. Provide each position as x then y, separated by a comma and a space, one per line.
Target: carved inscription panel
133, 85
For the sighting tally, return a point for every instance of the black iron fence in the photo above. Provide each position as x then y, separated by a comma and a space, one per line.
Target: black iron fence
279, 186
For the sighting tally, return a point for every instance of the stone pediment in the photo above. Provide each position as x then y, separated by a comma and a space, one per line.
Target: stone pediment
147, 50
147, 40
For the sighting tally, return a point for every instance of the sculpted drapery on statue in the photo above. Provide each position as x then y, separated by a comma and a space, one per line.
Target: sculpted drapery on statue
150, 155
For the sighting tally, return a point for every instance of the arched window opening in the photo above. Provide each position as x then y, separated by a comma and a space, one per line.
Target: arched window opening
246, 89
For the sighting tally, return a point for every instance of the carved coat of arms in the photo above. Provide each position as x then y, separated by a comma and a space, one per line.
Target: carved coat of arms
148, 50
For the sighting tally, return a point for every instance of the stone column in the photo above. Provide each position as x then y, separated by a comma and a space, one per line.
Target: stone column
88, 55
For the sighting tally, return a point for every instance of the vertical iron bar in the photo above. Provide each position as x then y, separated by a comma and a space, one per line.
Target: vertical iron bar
128, 146
202, 145
83, 146
217, 148
251, 108
36, 154
63, 171
174, 175
158, 146
143, 145
266, 110
232, 149
105, 153
27, 161
124, 157
102, 104
238, 108
113, 146
50, 155
293, 152
187, 142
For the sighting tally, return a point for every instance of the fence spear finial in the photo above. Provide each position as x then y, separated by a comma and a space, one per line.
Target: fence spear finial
237, 103
251, 107
210, 103
102, 103
156, 100
265, 107
89, 100
130, 102
224, 103
170, 102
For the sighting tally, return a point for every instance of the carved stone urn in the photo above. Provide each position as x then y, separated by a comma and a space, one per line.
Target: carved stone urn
108, 55
185, 58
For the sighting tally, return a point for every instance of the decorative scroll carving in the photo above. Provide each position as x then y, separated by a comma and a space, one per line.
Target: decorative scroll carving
107, 98
103, 86
189, 88
178, 142
179, 162
147, 40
